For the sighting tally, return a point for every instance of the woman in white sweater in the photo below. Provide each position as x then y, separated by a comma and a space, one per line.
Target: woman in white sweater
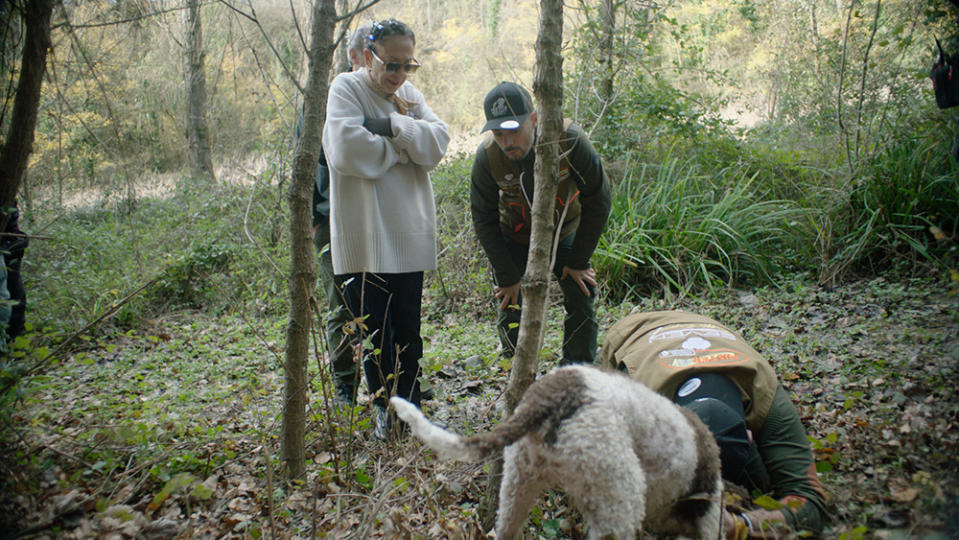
381, 140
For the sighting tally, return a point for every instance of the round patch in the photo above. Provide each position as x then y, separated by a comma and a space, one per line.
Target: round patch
509, 124
689, 387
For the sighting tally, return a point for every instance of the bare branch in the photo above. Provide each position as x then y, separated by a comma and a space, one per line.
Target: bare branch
843, 134
82, 52
117, 22
360, 8
238, 11
296, 23
276, 53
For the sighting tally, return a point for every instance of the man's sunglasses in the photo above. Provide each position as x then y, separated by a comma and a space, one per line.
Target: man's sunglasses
393, 67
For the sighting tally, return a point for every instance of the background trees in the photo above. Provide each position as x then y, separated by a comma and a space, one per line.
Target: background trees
780, 146
197, 133
28, 24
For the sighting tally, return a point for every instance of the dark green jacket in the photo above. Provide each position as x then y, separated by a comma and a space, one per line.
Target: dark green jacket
499, 212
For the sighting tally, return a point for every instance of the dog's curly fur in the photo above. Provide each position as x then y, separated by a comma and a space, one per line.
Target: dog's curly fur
627, 457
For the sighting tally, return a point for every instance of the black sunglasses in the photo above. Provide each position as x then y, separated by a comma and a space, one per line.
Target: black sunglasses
393, 67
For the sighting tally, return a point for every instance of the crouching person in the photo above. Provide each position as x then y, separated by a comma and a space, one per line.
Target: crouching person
702, 365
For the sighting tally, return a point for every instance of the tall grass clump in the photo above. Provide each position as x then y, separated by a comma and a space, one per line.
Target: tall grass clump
675, 229
901, 215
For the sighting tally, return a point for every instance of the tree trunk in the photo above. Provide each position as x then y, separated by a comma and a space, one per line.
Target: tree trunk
19, 143
302, 269
548, 89
197, 133
608, 25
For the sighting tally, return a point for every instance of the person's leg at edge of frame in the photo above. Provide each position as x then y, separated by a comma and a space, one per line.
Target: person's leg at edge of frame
376, 293
580, 329
18, 293
5, 310
365, 295
405, 322
507, 321
344, 368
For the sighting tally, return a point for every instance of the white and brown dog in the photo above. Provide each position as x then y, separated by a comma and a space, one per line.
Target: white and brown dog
627, 457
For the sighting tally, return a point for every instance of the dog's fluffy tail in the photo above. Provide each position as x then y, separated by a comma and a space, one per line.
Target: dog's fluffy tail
545, 406
446, 444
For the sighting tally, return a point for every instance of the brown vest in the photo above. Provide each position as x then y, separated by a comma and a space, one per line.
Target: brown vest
661, 349
515, 213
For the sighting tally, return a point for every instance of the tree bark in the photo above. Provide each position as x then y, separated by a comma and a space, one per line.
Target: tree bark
548, 89
197, 132
19, 142
302, 268
608, 25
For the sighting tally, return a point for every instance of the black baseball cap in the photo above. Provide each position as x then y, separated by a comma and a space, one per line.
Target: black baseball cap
712, 385
507, 106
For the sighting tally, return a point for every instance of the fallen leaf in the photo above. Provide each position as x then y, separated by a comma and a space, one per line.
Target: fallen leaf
937, 233
904, 495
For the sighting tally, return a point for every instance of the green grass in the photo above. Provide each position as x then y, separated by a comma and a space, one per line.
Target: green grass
674, 228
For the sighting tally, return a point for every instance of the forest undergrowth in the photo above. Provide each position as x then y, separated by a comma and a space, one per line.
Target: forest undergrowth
149, 389
170, 431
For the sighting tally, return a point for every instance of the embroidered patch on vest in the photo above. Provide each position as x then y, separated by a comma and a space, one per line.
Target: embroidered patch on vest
681, 358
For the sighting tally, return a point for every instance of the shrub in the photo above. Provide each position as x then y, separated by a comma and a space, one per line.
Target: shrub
191, 280
900, 212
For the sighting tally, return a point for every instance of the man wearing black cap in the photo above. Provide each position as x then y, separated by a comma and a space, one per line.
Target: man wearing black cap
501, 198
705, 367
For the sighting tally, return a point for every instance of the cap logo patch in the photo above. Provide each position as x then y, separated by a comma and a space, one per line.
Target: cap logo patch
499, 108
689, 387
509, 124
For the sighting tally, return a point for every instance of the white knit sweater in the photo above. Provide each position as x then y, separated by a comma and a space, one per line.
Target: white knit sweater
383, 217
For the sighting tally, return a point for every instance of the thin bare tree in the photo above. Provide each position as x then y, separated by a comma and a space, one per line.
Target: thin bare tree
306, 154
302, 268
548, 89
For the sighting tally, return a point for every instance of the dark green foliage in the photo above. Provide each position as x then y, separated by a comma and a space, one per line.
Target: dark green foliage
463, 276
902, 210
673, 228
653, 118
191, 280
208, 247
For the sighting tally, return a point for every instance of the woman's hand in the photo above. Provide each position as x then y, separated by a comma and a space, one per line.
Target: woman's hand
379, 126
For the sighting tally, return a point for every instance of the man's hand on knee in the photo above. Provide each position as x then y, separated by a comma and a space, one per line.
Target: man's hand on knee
580, 277
508, 295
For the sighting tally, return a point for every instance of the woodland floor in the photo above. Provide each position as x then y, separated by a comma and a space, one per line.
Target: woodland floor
171, 431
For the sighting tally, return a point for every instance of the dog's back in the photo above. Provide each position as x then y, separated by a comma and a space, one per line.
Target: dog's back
622, 453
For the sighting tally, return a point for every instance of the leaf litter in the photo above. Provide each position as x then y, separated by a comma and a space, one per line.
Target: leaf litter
174, 433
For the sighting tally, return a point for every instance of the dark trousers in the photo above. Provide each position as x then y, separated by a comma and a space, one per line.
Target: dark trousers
389, 307
12, 256
345, 372
580, 328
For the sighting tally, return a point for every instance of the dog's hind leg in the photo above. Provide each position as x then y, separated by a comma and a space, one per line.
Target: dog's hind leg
519, 490
610, 491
